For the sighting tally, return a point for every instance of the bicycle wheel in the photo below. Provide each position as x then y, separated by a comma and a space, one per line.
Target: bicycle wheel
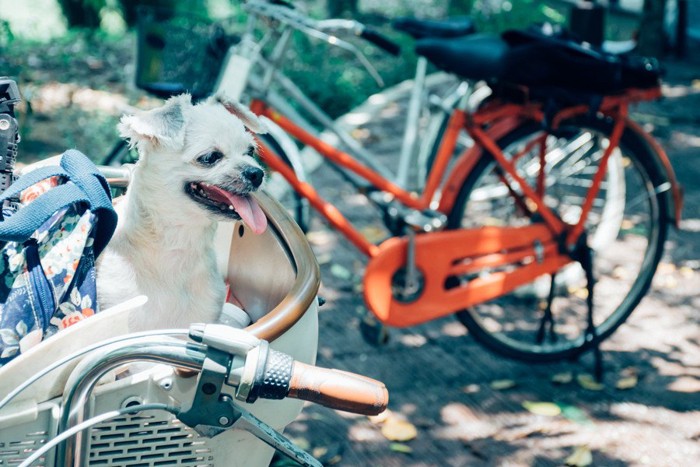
626, 231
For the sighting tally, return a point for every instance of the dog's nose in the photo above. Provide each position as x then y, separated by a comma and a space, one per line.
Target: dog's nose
253, 174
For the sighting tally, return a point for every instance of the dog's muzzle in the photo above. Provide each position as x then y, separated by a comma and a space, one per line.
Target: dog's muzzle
229, 204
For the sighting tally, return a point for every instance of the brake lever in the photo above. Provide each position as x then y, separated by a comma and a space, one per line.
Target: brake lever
265, 433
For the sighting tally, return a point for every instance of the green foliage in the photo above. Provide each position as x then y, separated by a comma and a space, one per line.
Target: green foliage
335, 80
498, 16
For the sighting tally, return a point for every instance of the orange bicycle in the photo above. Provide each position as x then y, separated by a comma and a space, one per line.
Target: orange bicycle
541, 235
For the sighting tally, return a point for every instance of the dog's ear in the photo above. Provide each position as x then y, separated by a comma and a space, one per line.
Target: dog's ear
249, 119
163, 126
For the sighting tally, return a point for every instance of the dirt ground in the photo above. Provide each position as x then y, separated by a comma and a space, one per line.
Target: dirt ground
471, 407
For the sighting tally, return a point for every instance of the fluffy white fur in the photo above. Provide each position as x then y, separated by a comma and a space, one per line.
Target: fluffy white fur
163, 244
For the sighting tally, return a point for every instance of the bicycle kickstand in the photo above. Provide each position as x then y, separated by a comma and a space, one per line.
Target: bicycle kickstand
585, 254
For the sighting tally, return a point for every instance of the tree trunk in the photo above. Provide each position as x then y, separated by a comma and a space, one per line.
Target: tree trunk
81, 13
460, 7
652, 38
130, 8
341, 8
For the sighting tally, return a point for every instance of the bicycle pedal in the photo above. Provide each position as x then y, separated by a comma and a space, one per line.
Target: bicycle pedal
425, 221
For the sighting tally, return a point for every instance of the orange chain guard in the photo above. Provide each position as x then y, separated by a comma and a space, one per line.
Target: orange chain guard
515, 256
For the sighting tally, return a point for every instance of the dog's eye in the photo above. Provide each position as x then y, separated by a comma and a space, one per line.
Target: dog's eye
250, 151
210, 158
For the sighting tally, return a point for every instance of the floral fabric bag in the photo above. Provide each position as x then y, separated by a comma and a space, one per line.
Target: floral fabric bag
49, 246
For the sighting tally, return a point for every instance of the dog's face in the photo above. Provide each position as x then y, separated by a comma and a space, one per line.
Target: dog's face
201, 157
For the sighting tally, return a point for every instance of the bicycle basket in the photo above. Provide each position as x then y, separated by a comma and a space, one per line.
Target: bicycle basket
177, 53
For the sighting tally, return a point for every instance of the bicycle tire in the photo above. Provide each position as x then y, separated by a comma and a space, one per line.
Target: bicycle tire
508, 325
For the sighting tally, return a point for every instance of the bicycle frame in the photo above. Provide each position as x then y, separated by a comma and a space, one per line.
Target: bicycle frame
460, 120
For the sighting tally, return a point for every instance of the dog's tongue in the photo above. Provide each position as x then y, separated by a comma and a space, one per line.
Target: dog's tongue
245, 206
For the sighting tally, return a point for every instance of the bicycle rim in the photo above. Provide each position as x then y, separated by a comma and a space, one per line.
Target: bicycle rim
626, 230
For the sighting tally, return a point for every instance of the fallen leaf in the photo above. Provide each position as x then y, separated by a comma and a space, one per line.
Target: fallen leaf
319, 452
581, 293
502, 384
360, 133
686, 272
563, 378
341, 272
575, 414
402, 448
626, 224
628, 378
399, 430
324, 258
319, 237
581, 457
620, 273
302, 443
627, 383
587, 381
373, 234
381, 418
548, 409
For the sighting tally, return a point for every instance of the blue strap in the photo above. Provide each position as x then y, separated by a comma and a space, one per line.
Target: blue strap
88, 186
43, 300
21, 225
86, 175
31, 178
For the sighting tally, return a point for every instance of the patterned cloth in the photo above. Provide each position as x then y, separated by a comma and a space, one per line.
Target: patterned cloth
48, 282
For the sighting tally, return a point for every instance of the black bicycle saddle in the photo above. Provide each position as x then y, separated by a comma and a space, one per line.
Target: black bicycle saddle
475, 57
422, 28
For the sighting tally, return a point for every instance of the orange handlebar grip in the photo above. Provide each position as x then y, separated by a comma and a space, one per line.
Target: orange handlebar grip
338, 389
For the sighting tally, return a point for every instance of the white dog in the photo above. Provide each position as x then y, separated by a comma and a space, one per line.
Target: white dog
195, 167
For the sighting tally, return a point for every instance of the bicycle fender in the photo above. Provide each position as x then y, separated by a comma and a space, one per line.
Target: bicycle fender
662, 157
458, 269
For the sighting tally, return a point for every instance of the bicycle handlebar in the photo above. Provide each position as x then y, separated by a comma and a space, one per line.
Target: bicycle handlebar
324, 30
269, 374
380, 40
